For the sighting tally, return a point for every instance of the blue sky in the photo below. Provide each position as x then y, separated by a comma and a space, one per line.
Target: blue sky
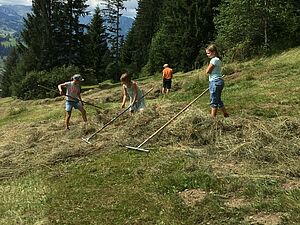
131, 5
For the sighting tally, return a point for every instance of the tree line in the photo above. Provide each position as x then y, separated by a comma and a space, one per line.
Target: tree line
54, 44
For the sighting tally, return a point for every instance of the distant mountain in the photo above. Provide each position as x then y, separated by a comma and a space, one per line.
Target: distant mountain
125, 24
11, 19
11, 24
21, 10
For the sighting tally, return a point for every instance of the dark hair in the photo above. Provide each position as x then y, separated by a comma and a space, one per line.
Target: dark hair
125, 77
213, 48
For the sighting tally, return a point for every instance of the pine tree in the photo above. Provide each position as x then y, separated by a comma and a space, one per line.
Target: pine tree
112, 15
186, 27
96, 49
8, 74
52, 34
69, 32
248, 28
36, 37
135, 51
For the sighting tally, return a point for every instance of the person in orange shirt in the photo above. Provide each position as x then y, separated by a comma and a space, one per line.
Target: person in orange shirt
167, 75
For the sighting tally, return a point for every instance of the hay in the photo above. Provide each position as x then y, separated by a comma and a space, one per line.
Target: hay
272, 141
192, 197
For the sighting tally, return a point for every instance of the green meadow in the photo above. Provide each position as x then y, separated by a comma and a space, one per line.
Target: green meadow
244, 169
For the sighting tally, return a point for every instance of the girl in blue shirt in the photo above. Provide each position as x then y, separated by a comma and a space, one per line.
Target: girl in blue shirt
216, 83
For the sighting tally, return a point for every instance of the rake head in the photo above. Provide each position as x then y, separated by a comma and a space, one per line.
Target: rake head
138, 149
86, 140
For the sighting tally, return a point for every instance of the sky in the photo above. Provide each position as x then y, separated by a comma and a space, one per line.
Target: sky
131, 5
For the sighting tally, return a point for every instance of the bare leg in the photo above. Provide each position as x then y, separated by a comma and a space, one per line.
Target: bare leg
83, 114
67, 120
225, 113
213, 113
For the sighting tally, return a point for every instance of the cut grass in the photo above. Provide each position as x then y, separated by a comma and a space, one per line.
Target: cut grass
240, 170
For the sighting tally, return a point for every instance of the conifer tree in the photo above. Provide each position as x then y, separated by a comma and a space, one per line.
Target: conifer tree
135, 51
186, 27
69, 32
8, 74
36, 37
96, 50
248, 28
112, 16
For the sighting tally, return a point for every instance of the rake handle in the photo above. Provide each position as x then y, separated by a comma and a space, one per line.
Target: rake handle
173, 118
113, 119
49, 89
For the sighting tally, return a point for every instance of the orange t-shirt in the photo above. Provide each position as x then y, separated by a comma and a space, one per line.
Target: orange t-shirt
167, 73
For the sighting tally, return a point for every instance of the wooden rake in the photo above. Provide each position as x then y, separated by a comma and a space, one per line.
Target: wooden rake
87, 140
88, 103
138, 148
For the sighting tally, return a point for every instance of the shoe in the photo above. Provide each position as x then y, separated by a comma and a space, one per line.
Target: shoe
226, 114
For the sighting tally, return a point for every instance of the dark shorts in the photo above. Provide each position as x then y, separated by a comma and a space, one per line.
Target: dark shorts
167, 83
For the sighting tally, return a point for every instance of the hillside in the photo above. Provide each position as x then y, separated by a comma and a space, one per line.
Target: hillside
11, 18
239, 170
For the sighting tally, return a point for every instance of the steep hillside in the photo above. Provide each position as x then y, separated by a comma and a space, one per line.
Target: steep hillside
239, 170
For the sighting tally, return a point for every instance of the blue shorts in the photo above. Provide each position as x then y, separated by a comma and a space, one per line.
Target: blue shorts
215, 89
71, 104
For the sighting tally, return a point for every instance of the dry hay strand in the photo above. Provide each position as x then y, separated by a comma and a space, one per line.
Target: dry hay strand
140, 125
223, 168
192, 197
154, 94
263, 141
176, 86
236, 203
40, 144
265, 219
291, 185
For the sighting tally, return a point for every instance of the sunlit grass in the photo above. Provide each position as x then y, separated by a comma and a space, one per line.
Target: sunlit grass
50, 176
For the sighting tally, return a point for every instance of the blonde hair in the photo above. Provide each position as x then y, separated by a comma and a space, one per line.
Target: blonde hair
213, 48
125, 77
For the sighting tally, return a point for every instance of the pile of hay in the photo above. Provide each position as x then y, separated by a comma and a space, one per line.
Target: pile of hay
273, 141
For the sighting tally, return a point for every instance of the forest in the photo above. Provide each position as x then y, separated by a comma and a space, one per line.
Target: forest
54, 44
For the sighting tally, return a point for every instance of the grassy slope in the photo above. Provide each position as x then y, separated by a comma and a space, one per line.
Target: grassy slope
242, 170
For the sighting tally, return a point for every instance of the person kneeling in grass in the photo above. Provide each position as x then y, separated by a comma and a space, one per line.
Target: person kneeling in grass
73, 98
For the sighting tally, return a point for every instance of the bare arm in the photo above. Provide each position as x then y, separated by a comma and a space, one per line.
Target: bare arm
209, 68
60, 86
124, 97
135, 97
79, 97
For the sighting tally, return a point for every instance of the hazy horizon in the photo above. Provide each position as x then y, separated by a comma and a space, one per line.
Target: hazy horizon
130, 5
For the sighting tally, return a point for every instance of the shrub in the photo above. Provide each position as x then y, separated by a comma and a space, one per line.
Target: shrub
28, 88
